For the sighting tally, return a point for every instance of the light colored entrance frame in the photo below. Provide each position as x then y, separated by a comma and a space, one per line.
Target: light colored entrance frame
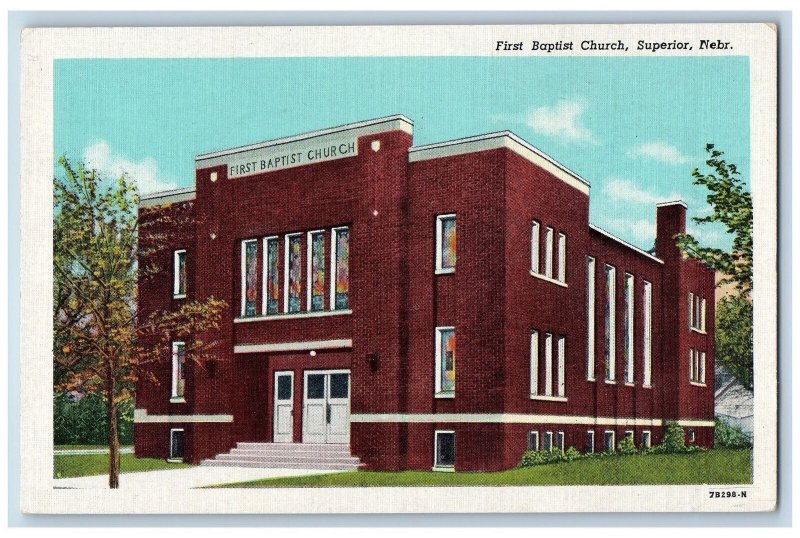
275, 407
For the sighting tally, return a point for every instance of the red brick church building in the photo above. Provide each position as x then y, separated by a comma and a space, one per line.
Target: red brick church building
394, 306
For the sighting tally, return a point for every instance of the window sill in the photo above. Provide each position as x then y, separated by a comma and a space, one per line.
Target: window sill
697, 384
177, 400
696, 330
174, 460
445, 271
630, 384
647, 386
443, 469
445, 395
591, 379
295, 315
180, 296
611, 382
548, 398
549, 279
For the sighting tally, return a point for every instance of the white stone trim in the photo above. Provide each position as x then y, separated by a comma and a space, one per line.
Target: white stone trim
674, 202
361, 128
140, 416
343, 343
167, 197
502, 139
295, 315
550, 280
625, 243
517, 418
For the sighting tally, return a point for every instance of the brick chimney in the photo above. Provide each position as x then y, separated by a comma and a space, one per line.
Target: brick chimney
670, 220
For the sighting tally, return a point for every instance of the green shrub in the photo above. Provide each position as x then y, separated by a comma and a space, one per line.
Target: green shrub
543, 457
82, 421
626, 446
571, 454
727, 436
674, 440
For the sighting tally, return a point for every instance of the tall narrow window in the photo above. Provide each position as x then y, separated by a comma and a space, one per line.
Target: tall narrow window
445, 243
534, 362
315, 271
548, 252
178, 371
589, 449
548, 441
703, 315
590, 318
691, 310
702, 367
292, 273
249, 277
179, 274
548, 364
271, 290
562, 257
692, 377
560, 441
340, 262
611, 323
533, 440
445, 362
560, 353
629, 318
647, 340
535, 253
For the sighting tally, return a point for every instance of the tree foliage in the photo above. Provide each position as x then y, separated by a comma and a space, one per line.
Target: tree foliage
82, 420
734, 338
732, 206
101, 343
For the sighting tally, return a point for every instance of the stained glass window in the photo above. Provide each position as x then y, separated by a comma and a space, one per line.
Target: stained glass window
271, 289
317, 273
447, 360
179, 284
295, 269
341, 299
610, 324
249, 277
446, 239
629, 328
178, 369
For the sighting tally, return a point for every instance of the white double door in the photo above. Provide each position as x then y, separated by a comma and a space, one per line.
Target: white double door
326, 406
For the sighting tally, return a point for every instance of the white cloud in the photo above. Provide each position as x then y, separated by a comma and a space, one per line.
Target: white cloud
562, 120
628, 191
660, 151
145, 172
641, 231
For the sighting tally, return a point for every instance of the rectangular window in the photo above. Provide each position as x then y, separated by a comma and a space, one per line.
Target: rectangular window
179, 274
535, 251
315, 270
444, 449
560, 378
533, 440
647, 340
560, 441
629, 318
691, 365
534, 362
445, 243
548, 364
562, 257
702, 366
548, 441
176, 444
590, 264
691, 436
629, 434
178, 371
608, 441
270, 287
703, 315
548, 252
340, 268
589, 449
292, 272
691, 310
611, 323
646, 439
445, 362
249, 277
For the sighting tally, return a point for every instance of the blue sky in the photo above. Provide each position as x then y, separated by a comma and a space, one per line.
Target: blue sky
634, 127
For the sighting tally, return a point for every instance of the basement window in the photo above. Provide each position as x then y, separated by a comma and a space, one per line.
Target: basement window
608, 441
444, 450
533, 440
176, 437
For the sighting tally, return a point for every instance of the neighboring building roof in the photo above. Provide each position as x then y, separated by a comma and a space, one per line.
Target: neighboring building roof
733, 400
167, 197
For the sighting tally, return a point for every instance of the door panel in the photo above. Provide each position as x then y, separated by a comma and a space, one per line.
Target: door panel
283, 423
326, 407
314, 411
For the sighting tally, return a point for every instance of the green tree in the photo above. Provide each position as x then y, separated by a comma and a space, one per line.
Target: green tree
98, 334
732, 206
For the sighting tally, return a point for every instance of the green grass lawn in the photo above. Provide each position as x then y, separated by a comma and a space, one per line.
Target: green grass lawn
85, 447
94, 464
711, 467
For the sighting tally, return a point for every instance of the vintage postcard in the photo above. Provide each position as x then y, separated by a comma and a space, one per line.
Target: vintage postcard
399, 269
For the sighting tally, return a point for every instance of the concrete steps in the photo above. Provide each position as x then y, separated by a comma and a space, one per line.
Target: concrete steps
287, 456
